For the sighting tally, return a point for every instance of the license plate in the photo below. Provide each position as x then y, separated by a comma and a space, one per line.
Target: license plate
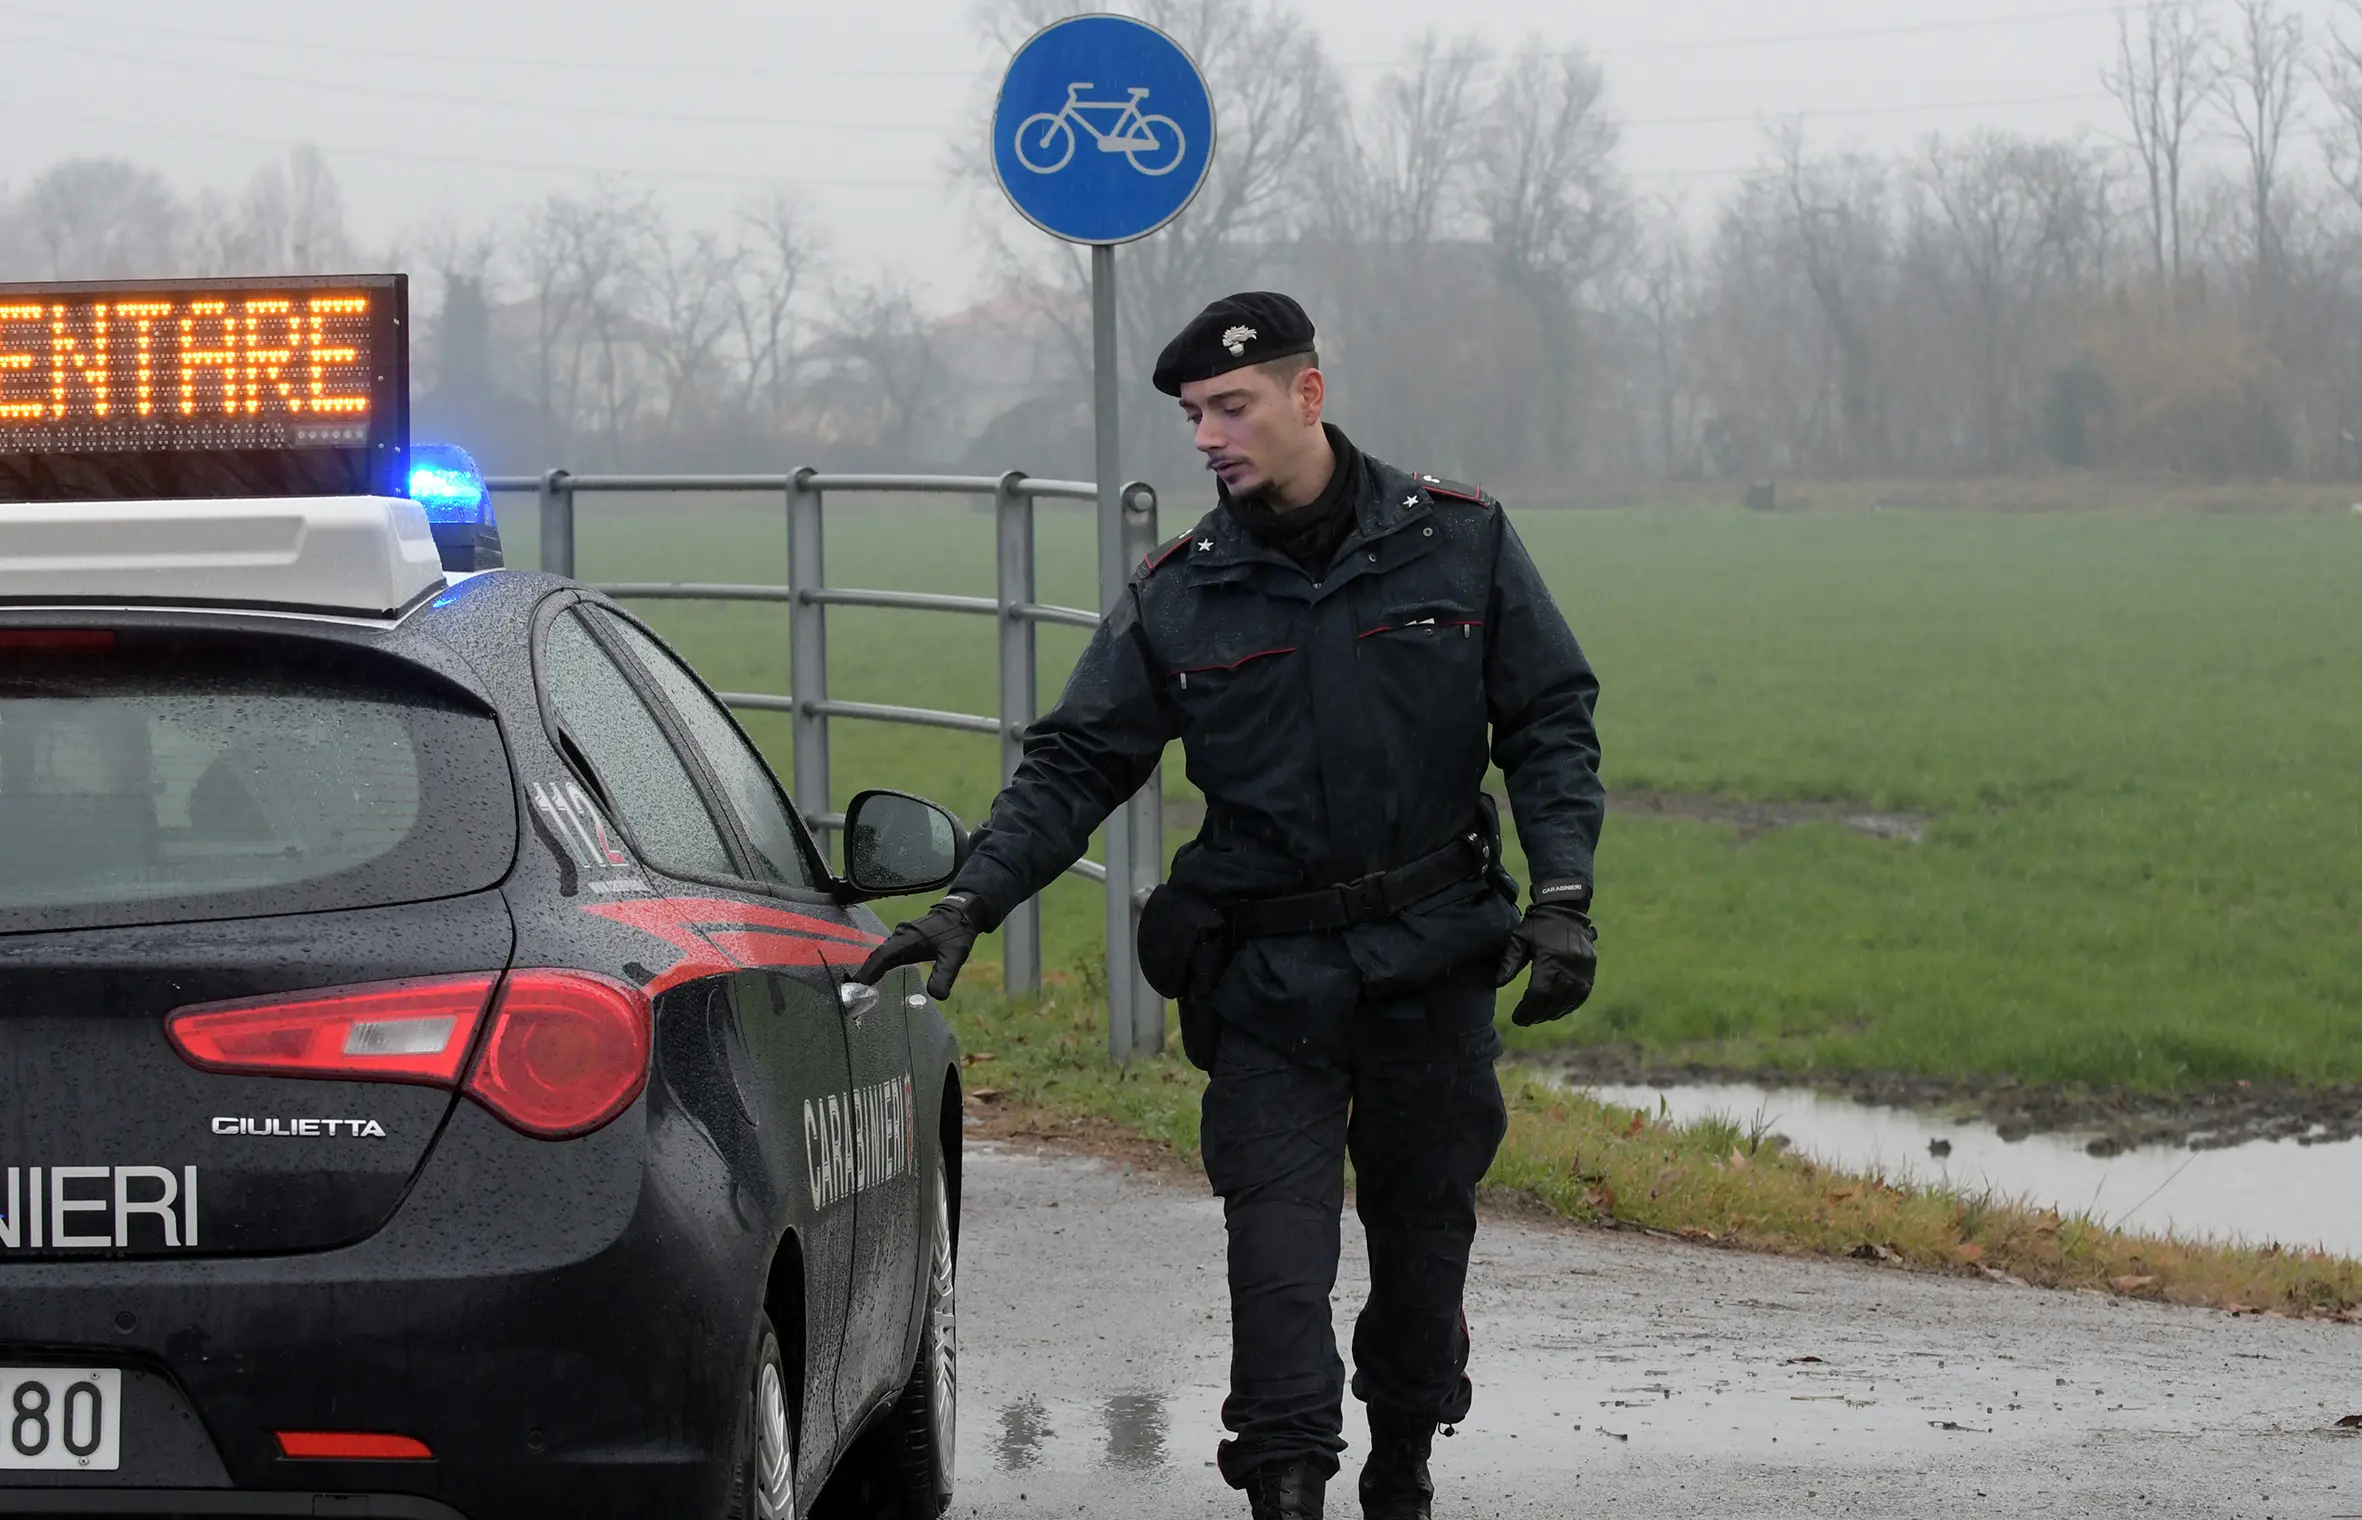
61, 1419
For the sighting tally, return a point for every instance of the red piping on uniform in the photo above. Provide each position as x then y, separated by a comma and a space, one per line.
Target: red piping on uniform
1399, 627
1235, 664
1155, 561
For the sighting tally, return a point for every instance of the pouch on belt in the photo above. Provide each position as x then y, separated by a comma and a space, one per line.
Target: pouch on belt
1185, 946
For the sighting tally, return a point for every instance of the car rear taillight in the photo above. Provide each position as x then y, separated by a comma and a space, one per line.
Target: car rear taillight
407, 1031
568, 1051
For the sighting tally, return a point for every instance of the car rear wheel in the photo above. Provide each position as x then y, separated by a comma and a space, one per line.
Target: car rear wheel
766, 1487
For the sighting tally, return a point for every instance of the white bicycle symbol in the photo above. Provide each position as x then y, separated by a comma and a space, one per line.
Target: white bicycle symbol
1154, 144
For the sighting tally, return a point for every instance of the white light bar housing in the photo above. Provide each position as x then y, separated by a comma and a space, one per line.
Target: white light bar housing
361, 556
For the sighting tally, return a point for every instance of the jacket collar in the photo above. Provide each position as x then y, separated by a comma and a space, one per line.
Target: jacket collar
1387, 502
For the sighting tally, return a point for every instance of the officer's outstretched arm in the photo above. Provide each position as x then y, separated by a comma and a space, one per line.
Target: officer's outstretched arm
1082, 759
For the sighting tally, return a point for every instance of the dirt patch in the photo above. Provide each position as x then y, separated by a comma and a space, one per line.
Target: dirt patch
1038, 1129
1754, 819
2115, 1120
1751, 819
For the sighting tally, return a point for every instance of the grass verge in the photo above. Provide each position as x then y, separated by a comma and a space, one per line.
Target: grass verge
1040, 1071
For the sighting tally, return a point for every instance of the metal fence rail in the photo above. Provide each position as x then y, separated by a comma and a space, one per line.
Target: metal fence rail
1135, 835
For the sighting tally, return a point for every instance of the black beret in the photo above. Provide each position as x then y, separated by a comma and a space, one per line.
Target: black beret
1252, 327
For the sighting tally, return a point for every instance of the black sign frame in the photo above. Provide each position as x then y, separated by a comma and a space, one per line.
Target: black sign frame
379, 467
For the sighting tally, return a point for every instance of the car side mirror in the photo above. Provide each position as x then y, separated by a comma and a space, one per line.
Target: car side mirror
897, 844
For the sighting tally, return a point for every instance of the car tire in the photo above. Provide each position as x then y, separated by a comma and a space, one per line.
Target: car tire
765, 1488
924, 1427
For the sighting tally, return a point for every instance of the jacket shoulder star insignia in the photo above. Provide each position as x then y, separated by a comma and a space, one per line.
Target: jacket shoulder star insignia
1452, 490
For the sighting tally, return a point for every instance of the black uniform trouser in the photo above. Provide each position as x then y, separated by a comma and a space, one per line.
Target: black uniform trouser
1418, 1107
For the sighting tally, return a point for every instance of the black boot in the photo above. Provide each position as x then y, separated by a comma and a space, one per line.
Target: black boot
1394, 1482
1288, 1491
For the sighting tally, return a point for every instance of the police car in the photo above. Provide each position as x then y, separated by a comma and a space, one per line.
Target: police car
430, 1079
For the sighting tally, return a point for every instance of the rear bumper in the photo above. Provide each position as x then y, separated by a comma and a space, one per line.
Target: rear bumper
204, 1501
564, 1339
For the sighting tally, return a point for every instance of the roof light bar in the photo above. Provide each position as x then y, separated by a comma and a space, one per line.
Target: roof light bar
445, 481
447, 485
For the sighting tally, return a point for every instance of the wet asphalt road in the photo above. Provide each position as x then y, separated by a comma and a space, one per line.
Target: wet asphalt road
1625, 1377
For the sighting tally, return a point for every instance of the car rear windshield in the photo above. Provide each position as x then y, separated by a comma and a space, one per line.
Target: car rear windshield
159, 779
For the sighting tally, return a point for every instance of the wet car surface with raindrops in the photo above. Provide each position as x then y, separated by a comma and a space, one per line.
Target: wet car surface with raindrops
433, 1082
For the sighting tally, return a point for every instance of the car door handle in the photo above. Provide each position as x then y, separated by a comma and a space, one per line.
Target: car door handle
856, 998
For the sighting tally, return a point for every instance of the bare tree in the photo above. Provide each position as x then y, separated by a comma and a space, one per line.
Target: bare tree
1665, 300
2340, 77
2011, 209
1421, 139
893, 357
692, 280
2260, 74
1838, 226
1554, 206
584, 264
2166, 66
778, 248
1384, 233
454, 366
316, 238
102, 218
289, 220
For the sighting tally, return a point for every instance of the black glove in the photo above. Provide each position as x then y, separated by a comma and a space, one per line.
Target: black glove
1563, 946
945, 936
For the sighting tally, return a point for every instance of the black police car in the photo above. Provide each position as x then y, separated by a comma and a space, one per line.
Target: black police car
430, 1083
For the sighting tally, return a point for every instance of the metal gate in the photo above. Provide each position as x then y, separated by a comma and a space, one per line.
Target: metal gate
1135, 835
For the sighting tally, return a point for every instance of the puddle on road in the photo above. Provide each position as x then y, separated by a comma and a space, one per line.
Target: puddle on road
1025, 1425
2267, 1190
1136, 1431
1130, 1432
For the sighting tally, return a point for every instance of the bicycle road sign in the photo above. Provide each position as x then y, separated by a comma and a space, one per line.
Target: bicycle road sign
1104, 130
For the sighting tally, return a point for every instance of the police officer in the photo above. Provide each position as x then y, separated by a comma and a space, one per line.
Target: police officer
1341, 647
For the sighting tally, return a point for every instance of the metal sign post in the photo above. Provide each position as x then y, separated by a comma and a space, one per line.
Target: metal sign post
1104, 131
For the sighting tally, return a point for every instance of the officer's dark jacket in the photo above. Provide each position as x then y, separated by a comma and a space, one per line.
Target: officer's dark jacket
1336, 726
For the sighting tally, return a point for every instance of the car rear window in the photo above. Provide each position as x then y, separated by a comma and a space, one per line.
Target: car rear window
167, 780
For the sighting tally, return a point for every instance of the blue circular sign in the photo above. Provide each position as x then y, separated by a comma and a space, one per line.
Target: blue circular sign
1104, 130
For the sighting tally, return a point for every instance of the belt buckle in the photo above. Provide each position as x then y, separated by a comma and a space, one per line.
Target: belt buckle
1365, 900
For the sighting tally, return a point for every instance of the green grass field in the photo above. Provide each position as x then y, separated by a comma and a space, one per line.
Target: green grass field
2140, 736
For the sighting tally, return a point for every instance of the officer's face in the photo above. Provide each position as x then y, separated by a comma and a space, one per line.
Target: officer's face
1255, 430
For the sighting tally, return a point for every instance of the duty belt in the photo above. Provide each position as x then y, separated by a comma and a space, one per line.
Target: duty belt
1372, 899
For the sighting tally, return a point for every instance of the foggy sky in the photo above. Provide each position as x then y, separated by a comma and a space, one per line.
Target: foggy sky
468, 110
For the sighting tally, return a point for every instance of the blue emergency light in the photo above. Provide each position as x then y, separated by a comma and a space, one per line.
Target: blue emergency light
445, 481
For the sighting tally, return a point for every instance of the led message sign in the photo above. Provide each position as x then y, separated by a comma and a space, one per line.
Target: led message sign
204, 388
